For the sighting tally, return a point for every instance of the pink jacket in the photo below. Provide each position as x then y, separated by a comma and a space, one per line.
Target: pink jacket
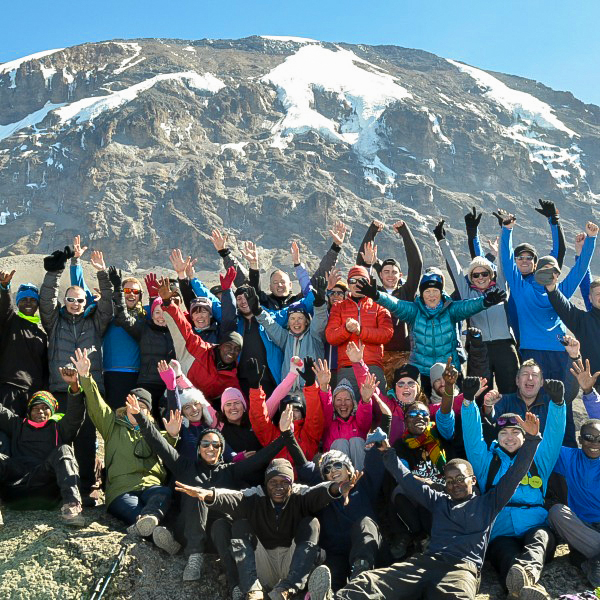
357, 425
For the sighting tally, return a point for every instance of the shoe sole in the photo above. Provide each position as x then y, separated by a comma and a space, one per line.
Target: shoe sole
516, 580
78, 521
530, 592
146, 525
163, 538
319, 583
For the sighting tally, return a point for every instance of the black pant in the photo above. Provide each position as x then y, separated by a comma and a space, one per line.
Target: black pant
191, 524
415, 519
117, 385
365, 544
58, 474
530, 551
503, 365
220, 534
14, 399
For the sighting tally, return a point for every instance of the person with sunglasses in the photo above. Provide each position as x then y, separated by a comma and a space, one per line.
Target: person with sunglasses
23, 345
521, 541
70, 326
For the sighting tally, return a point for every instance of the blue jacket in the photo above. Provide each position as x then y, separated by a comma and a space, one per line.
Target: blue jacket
538, 322
515, 520
433, 334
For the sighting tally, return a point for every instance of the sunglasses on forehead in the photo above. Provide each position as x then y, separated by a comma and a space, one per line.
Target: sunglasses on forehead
73, 300
504, 421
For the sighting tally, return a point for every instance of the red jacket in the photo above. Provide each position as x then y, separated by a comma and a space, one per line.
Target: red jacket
203, 372
307, 431
376, 329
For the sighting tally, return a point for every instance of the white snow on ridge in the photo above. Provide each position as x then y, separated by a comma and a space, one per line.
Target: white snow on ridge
15, 64
522, 105
289, 38
129, 62
358, 84
30, 120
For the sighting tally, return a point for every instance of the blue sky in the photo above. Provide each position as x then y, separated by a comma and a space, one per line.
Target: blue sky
552, 41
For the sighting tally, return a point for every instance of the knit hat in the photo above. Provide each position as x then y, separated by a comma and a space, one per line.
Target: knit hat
407, 370
432, 278
27, 290
233, 336
201, 303
43, 398
345, 384
232, 394
298, 307
358, 272
143, 396
279, 467
295, 399
521, 248
157, 302
191, 396
243, 289
545, 269
341, 284
481, 263
509, 417
333, 456
436, 371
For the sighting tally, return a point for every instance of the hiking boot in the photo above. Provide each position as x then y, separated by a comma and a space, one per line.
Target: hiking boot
516, 579
319, 584
591, 568
71, 515
236, 593
146, 524
534, 592
359, 567
164, 539
193, 569
279, 594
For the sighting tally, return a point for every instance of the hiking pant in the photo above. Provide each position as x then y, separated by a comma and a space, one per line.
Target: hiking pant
365, 544
154, 500
503, 362
59, 470
530, 551
220, 534
354, 448
415, 518
424, 576
117, 384
584, 537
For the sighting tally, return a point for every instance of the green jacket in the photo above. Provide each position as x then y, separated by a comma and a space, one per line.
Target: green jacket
130, 463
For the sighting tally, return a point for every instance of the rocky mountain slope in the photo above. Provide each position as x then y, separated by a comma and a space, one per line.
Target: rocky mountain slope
144, 145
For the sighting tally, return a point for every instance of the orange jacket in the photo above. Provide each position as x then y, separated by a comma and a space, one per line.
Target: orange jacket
376, 329
307, 431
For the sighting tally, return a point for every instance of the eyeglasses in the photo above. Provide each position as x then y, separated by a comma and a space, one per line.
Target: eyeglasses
410, 384
73, 300
480, 274
592, 439
335, 293
457, 480
132, 291
208, 444
417, 413
336, 466
504, 421
353, 280
525, 258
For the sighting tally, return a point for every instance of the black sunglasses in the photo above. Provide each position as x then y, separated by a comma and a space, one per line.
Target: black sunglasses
208, 444
480, 274
592, 439
336, 466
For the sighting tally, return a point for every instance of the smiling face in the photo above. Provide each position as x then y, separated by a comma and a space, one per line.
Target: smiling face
336, 295
234, 411
297, 323
353, 287
192, 412
432, 297
158, 317
418, 423
28, 306
343, 404
75, 301
201, 318
209, 448
481, 278
229, 352
589, 438
510, 439
39, 412
406, 389
340, 474
279, 489
525, 263
529, 382
459, 483
438, 385
595, 295
390, 277
242, 305
280, 284
132, 291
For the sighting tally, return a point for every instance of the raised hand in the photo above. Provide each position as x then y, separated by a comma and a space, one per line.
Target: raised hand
179, 264
493, 297
572, 346
368, 288
493, 245
471, 386
296, 363
189, 268
116, 278
319, 291
398, 225
254, 373
474, 338
97, 260
472, 219
151, 282
173, 425
579, 239
133, 404
228, 279
355, 352
450, 374
584, 376
322, 374
250, 253
164, 289
286, 419
6, 278
69, 376
295, 252
195, 492
379, 224
167, 374
439, 231
555, 389
338, 233
308, 374
347, 486
548, 210
252, 299
333, 277
82, 362
505, 219
591, 229
492, 398
531, 424
367, 389
218, 240
78, 250
370, 253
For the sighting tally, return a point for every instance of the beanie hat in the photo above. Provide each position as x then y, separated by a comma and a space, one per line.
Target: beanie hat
432, 278
436, 371
481, 263
201, 303
231, 394
333, 456
218, 434
243, 289
545, 269
521, 248
295, 399
216, 289
27, 290
298, 307
358, 272
279, 467
393, 262
345, 384
341, 284
233, 336
143, 396
157, 302
507, 425
407, 370
43, 398
191, 396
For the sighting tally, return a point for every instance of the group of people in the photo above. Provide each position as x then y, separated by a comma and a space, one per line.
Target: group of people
369, 436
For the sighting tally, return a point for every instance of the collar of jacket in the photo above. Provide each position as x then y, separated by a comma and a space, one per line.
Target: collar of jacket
446, 302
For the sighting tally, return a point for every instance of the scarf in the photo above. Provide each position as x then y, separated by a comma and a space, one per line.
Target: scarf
429, 441
35, 319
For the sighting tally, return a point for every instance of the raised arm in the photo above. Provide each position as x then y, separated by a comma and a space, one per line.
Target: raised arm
414, 258
157, 442
219, 242
374, 228
568, 286
455, 268
283, 389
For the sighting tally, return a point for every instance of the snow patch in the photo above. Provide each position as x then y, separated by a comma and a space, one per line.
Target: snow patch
289, 38
190, 49
30, 120
237, 147
13, 65
127, 63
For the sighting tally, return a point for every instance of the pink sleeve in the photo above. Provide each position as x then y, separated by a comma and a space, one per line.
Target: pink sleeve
280, 392
327, 406
207, 408
360, 372
364, 417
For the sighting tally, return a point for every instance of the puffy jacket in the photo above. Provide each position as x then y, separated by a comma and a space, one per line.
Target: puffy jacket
307, 431
376, 329
526, 507
357, 425
433, 334
125, 472
67, 332
200, 356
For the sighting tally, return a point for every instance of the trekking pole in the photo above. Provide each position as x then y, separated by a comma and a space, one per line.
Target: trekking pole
103, 582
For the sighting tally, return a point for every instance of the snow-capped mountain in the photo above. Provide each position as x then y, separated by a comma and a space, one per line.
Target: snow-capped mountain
147, 144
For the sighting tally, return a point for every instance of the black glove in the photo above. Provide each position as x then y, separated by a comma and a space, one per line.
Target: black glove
254, 373
472, 222
503, 217
252, 298
474, 338
556, 390
368, 288
319, 291
115, 278
492, 297
548, 210
58, 260
440, 231
470, 387
308, 374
